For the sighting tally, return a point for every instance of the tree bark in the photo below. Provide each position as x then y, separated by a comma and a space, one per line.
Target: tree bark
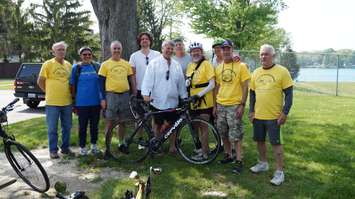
117, 21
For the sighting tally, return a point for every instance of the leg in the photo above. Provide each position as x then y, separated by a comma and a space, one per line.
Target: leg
262, 151
121, 131
66, 123
52, 116
278, 154
108, 133
83, 117
94, 124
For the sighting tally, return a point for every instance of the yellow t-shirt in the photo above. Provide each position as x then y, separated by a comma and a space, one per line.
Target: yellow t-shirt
268, 85
202, 75
57, 82
230, 77
116, 73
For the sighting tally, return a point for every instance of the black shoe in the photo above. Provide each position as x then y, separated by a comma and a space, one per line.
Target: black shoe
238, 167
108, 155
123, 148
227, 159
68, 152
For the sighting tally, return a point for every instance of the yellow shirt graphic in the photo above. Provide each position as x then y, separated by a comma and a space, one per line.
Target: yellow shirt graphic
57, 82
202, 75
116, 73
268, 85
230, 77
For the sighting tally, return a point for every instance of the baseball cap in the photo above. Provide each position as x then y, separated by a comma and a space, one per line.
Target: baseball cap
227, 43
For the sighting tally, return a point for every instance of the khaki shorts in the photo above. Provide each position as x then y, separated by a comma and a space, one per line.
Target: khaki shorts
228, 125
118, 107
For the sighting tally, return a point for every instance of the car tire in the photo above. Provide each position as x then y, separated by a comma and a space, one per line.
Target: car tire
32, 103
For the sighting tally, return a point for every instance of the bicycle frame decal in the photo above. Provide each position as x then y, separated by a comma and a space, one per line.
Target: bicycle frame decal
176, 124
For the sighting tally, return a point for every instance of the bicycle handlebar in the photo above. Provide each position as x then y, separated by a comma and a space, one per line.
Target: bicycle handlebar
6, 108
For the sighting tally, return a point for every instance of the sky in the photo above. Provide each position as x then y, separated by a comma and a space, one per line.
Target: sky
311, 24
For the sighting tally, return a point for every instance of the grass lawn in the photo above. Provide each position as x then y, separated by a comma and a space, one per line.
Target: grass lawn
327, 88
6, 84
319, 158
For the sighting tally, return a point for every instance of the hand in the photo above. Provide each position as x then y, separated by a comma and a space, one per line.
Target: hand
282, 119
195, 98
251, 116
236, 58
240, 111
103, 104
147, 99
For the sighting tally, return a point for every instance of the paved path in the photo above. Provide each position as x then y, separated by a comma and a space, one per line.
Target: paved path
22, 111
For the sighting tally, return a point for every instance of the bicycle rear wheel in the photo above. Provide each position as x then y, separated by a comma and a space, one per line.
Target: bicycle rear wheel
27, 166
135, 147
192, 135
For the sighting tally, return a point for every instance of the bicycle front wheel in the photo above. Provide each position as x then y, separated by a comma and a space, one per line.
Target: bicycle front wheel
134, 148
198, 142
27, 166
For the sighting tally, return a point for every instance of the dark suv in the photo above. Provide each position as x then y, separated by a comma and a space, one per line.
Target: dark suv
26, 84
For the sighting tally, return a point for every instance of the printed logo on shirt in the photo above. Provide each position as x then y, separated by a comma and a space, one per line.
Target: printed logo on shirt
60, 72
265, 82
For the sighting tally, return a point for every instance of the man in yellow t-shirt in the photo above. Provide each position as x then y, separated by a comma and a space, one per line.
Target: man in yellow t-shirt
54, 81
270, 101
116, 77
232, 79
200, 82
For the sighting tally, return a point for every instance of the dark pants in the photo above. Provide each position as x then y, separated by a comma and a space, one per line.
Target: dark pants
86, 114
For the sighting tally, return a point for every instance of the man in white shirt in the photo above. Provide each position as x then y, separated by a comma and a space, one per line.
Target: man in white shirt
162, 86
141, 58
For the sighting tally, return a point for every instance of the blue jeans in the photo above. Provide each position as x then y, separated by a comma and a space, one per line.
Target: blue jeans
53, 114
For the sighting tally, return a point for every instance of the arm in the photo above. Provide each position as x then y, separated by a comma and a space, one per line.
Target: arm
41, 81
240, 109
252, 105
132, 81
215, 92
102, 87
287, 106
211, 85
148, 83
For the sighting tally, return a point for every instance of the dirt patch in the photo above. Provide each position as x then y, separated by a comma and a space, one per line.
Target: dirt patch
65, 170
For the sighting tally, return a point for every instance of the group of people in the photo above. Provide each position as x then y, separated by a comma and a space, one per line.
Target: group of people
219, 90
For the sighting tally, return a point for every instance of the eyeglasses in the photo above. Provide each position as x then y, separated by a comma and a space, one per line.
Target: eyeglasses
86, 54
146, 60
167, 75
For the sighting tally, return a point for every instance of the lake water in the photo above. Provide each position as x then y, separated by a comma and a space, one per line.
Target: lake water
325, 75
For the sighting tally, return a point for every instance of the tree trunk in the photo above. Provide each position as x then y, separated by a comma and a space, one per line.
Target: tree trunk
117, 21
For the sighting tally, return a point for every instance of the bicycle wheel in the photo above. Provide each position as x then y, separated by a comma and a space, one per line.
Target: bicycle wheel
135, 146
198, 142
27, 166
137, 107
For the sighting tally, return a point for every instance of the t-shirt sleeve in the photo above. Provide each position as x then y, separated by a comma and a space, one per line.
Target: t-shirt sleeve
129, 69
252, 82
286, 79
209, 70
103, 70
131, 61
245, 74
216, 71
44, 72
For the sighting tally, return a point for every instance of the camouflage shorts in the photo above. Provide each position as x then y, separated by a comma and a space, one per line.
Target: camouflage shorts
228, 125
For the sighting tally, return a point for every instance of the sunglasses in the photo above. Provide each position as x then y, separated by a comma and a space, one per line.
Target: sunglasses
86, 54
146, 60
167, 75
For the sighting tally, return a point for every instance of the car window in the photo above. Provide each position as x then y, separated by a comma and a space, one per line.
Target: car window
29, 70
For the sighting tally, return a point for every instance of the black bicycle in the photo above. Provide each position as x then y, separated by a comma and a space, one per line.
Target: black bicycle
26, 165
197, 141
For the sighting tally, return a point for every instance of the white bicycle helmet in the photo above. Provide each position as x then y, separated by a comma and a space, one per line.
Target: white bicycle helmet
195, 45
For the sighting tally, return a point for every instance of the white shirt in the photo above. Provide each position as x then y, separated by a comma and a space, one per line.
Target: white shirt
164, 93
139, 61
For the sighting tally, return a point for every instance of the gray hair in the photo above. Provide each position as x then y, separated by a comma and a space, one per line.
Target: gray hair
269, 47
116, 42
60, 43
168, 42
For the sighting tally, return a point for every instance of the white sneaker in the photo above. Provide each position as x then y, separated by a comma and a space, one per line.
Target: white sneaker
200, 157
83, 151
279, 178
94, 149
140, 147
198, 151
261, 166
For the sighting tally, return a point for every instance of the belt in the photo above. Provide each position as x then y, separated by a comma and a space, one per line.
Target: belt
117, 93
